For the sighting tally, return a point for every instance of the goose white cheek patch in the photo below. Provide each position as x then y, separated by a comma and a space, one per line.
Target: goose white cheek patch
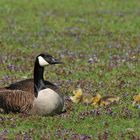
42, 61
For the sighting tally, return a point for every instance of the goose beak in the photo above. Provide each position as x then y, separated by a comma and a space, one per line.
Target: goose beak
56, 61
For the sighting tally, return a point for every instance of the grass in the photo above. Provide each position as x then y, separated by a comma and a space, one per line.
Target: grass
106, 33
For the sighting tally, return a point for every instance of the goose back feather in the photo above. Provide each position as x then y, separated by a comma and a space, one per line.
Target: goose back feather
16, 101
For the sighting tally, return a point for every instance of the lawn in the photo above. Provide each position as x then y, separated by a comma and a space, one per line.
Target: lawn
99, 43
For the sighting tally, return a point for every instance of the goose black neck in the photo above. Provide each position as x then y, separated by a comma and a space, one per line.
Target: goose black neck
38, 77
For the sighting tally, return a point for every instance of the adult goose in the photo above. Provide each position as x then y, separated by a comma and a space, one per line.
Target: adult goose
45, 100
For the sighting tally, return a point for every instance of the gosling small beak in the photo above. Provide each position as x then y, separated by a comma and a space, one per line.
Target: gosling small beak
56, 61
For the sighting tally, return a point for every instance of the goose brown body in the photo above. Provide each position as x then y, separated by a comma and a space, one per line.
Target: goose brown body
28, 85
16, 101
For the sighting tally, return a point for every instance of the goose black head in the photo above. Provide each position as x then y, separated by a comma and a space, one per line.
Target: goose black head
46, 59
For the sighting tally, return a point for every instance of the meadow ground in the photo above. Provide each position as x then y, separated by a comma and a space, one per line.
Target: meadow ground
99, 42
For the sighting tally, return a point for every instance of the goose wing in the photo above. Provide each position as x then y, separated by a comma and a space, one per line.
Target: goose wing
28, 85
16, 101
24, 85
52, 86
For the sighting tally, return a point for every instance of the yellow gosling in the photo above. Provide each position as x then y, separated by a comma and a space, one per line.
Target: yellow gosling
136, 99
95, 100
78, 95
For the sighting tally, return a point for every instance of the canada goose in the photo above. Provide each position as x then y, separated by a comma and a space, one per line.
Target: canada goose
44, 100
